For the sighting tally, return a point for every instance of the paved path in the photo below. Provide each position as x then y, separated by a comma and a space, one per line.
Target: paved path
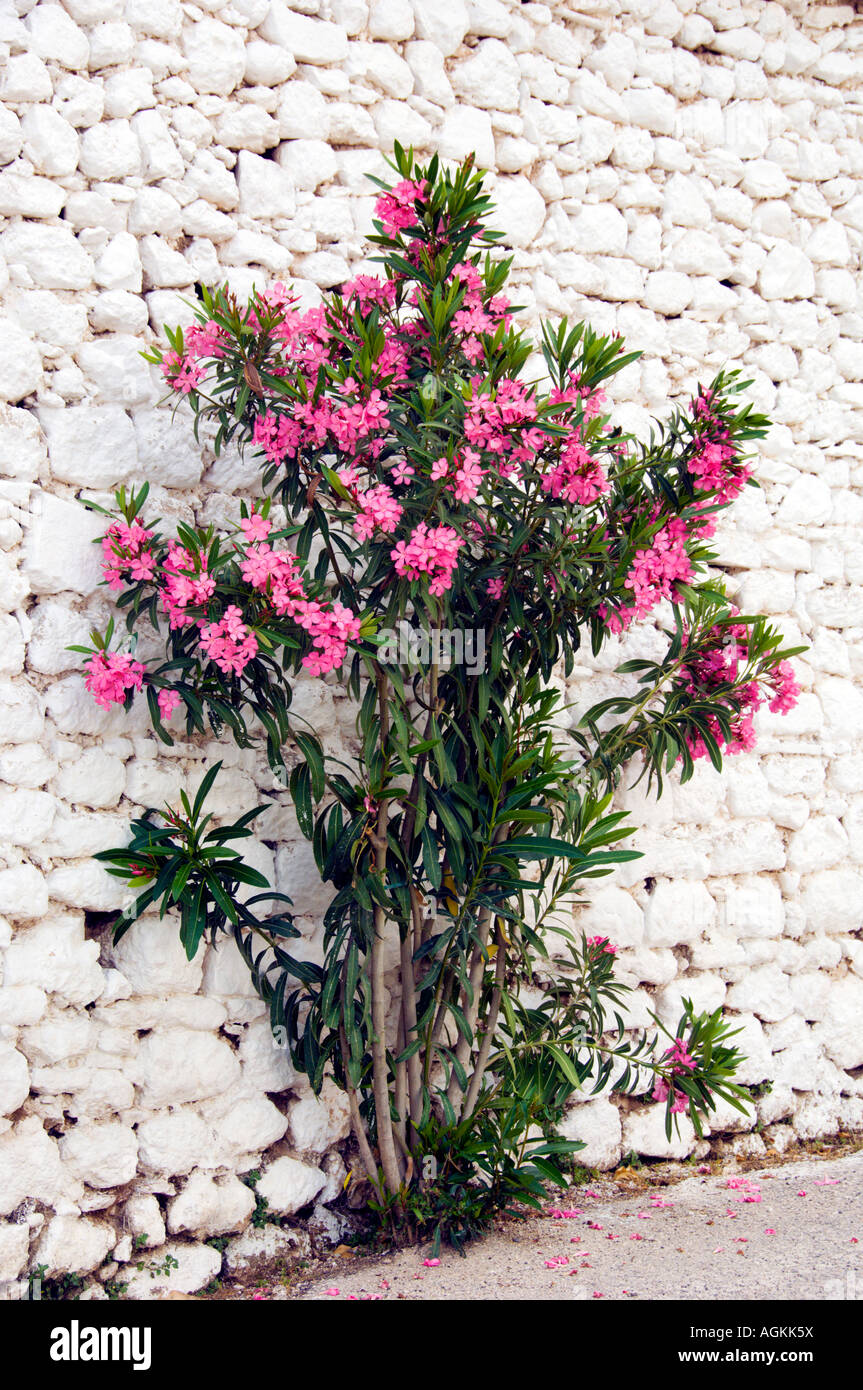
788, 1232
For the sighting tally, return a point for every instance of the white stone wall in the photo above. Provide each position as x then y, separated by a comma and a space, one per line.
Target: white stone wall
687, 172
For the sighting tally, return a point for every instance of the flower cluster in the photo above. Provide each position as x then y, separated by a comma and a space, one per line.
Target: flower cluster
331, 629
127, 554
715, 465
377, 508
397, 209
577, 477
718, 670
110, 675
431, 551
229, 644
681, 1064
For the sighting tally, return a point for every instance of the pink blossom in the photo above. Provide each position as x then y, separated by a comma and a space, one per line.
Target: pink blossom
396, 209
431, 551
127, 554
168, 700
255, 527
402, 471
467, 483
657, 569
785, 688
229, 644
110, 675
378, 508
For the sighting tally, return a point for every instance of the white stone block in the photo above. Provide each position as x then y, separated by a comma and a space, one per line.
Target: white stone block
247, 1126
644, 1133
51, 255
764, 992
114, 365
142, 1217
266, 1064
677, 913
90, 446
210, 1206
465, 131
30, 1167
216, 57
267, 64
391, 19
597, 1126
50, 142
172, 1143
317, 1123
520, 211
309, 40
786, 274
289, 1185
307, 163
14, 1079
753, 908
102, 1155
74, 1244
20, 362
189, 1269
489, 78
426, 62
14, 1249
153, 960
821, 843
23, 892
177, 1065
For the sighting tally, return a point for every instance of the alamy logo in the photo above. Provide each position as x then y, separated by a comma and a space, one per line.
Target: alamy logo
415, 646
76, 1343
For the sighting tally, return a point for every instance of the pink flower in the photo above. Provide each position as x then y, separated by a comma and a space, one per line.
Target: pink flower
577, 478
168, 701
402, 471
255, 527
785, 689
379, 509
432, 1264
127, 554
110, 675
681, 1060
431, 551
439, 469
396, 208
657, 570
467, 483
229, 644
602, 945
494, 588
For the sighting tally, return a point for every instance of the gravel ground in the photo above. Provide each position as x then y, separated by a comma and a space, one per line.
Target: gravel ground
788, 1232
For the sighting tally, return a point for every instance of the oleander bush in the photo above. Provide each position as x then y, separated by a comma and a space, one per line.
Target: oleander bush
418, 485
